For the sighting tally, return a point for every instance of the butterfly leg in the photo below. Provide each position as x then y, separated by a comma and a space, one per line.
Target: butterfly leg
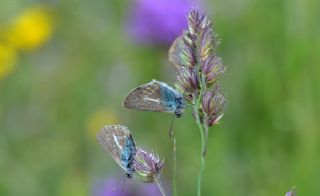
170, 130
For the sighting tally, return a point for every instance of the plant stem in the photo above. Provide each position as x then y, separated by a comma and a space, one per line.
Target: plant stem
206, 129
158, 182
203, 144
196, 107
203, 165
174, 176
203, 90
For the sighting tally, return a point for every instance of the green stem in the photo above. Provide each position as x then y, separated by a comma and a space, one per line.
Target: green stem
203, 165
203, 145
203, 133
159, 184
206, 129
203, 90
174, 176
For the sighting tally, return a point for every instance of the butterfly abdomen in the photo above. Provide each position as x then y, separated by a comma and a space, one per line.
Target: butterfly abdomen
127, 155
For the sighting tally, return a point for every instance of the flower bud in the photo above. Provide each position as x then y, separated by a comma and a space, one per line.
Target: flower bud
147, 165
213, 103
187, 83
212, 68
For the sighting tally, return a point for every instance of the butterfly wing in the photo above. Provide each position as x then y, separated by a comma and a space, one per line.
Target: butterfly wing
153, 96
113, 139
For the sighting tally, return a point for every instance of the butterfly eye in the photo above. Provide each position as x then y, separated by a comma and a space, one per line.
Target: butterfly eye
179, 112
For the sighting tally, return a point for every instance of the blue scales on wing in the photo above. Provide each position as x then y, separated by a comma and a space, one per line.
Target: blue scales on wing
118, 142
127, 155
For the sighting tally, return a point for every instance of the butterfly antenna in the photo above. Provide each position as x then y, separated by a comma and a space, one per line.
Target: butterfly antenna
171, 125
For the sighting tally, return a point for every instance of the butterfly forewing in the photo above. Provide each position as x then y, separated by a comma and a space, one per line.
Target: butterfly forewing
113, 139
149, 97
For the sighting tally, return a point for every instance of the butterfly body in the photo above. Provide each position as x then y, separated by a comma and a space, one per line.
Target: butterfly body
117, 140
127, 156
155, 96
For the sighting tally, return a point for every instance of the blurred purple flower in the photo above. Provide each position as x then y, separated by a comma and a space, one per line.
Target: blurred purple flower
292, 192
110, 187
114, 187
160, 21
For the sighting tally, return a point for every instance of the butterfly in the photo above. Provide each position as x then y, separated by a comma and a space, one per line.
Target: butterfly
118, 142
155, 96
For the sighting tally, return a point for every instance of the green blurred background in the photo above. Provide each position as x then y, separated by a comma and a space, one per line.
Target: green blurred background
64, 76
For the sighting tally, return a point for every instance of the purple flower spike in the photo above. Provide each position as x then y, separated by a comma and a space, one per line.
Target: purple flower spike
160, 21
198, 70
147, 165
213, 69
213, 103
187, 82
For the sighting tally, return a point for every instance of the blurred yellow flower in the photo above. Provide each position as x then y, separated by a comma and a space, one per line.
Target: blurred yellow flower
31, 29
99, 119
7, 60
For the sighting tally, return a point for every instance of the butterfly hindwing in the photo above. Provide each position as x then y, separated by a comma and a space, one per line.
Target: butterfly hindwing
153, 96
118, 142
